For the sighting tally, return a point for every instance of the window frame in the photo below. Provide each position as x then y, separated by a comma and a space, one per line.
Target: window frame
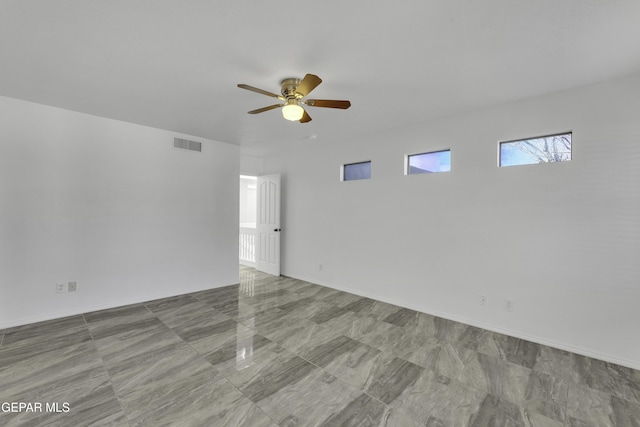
344, 165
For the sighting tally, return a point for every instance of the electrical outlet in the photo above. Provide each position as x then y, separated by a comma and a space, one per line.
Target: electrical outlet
508, 304
61, 288
72, 286
482, 299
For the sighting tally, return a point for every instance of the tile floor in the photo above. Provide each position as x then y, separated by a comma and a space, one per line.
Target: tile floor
279, 351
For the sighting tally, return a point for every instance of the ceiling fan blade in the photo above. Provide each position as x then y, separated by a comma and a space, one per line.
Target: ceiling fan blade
255, 89
263, 109
328, 103
305, 117
309, 83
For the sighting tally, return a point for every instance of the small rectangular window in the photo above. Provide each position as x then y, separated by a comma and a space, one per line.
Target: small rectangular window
543, 149
436, 161
354, 171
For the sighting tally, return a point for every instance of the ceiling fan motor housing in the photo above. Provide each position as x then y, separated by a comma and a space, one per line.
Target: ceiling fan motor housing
289, 87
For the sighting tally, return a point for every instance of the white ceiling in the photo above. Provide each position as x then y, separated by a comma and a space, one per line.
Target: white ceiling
175, 64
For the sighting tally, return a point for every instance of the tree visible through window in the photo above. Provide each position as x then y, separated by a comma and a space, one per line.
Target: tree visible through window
545, 149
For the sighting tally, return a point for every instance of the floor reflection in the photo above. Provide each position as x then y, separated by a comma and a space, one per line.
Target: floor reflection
244, 350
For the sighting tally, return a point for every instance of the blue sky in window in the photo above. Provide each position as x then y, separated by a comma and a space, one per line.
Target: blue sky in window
512, 155
439, 161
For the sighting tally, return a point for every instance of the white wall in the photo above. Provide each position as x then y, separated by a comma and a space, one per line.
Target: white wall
562, 240
112, 206
251, 165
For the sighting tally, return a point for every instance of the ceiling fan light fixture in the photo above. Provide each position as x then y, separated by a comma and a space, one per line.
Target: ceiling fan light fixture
292, 111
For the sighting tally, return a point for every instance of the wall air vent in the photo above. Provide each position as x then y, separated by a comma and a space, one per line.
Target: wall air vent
185, 144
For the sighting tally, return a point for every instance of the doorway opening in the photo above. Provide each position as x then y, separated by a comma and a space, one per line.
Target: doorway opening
248, 219
260, 222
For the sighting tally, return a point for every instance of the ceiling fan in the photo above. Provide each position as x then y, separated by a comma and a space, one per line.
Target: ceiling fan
293, 91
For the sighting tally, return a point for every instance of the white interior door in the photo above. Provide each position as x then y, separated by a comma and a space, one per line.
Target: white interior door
268, 224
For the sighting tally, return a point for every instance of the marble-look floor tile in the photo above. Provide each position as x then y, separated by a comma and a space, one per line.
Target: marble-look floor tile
134, 328
167, 305
545, 399
137, 343
390, 379
372, 308
444, 330
90, 402
475, 339
47, 371
363, 411
609, 378
387, 337
590, 408
223, 299
263, 293
316, 291
403, 317
425, 325
259, 382
48, 335
442, 357
219, 404
288, 313
515, 350
405, 386
293, 333
73, 375
395, 418
350, 360
379, 334
418, 330
281, 351
248, 349
209, 336
497, 412
308, 401
495, 376
49, 330
422, 394
306, 309
264, 285
329, 314
117, 316
341, 299
454, 405
305, 289
215, 294
149, 386
557, 363
252, 317
264, 359
186, 313
248, 306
